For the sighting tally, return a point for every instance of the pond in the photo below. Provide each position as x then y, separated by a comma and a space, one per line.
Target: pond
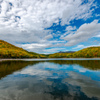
50, 79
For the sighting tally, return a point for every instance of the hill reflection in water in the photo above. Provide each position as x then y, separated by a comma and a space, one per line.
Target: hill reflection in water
8, 67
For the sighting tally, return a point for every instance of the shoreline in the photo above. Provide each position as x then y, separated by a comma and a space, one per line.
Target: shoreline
40, 59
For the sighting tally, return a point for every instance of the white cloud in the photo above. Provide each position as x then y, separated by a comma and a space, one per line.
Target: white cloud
97, 36
36, 47
83, 46
70, 28
48, 36
41, 48
85, 32
42, 45
25, 21
53, 50
79, 46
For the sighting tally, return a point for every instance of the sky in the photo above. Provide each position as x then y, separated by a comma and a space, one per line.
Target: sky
49, 26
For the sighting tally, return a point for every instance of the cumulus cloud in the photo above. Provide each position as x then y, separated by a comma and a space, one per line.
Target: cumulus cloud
84, 32
79, 46
83, 46
43, 45
70, 28
48, 36
25, 21
98, 36
36, 47
43, 48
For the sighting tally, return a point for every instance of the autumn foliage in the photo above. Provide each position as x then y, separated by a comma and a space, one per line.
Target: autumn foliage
90, 52
8, 50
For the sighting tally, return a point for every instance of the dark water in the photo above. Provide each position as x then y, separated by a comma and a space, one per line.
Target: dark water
50, 80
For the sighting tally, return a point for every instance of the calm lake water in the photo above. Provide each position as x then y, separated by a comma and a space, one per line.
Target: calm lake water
51, 79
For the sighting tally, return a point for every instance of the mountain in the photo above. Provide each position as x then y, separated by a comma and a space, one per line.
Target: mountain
66, 51
8, 50
89, 52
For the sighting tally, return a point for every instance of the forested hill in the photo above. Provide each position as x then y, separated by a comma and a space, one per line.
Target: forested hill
8, 50
90, 52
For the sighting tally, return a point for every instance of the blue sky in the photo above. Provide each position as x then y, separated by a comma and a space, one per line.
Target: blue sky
49, 26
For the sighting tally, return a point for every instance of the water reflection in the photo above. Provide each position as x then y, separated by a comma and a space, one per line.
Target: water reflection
8, 67
49, 80
90, 64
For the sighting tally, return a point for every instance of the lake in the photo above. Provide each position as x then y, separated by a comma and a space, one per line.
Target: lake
50, 79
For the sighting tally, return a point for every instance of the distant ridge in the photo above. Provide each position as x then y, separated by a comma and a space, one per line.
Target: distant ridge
66, 51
